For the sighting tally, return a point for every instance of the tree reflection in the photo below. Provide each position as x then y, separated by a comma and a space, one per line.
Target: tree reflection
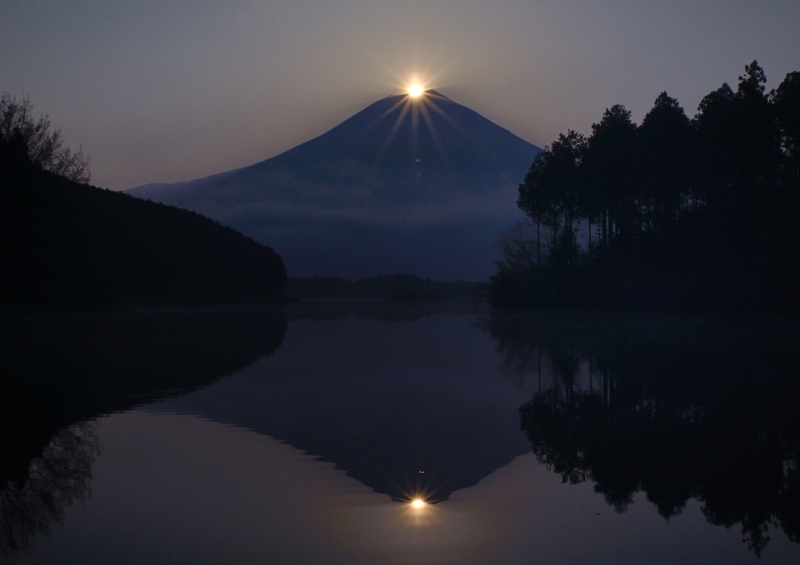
55, 480
673, 407
61, 371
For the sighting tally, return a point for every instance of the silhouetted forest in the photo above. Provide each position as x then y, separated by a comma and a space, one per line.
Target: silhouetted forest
674, 212
66, 244
671, 406
395, 287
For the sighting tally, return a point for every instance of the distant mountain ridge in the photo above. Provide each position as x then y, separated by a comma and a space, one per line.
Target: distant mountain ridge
421, 187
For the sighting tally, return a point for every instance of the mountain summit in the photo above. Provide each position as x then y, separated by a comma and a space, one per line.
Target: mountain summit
420, 186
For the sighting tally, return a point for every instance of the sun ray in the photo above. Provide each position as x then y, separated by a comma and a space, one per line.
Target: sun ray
414, 118
403, 112
426, 71
442, 113
434, 134
400, 102
417, 101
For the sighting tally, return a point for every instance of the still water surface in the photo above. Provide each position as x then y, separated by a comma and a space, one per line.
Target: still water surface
300, 435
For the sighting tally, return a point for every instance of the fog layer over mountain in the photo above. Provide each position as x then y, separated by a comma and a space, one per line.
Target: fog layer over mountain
418, 186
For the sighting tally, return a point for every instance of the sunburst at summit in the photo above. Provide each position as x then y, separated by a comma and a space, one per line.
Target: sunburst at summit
415, 90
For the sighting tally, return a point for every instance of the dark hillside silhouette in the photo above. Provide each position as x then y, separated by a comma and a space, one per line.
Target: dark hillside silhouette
672, 213
66, 244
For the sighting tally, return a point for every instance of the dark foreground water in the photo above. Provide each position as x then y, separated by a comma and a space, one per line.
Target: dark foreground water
299, 436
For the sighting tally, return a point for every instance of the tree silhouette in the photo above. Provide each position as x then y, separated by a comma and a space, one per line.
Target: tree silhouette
45, 147
551, 195
786, 99
666, 142
695, 214
57, 479
520, 248
610, 173
738, 143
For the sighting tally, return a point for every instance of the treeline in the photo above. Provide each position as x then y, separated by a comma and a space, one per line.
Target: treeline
394, 287
71, 245
671, 213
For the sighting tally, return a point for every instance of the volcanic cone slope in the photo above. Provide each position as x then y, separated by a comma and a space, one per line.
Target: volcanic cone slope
418, 186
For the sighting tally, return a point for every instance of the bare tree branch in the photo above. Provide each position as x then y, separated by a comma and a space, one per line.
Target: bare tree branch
46, 148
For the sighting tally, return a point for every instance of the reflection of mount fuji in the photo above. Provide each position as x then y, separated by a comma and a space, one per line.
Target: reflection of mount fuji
421, 187
406, 404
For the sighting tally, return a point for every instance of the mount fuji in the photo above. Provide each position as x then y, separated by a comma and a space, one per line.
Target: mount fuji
420, 186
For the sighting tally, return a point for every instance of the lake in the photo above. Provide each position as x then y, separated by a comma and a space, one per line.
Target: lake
301, 435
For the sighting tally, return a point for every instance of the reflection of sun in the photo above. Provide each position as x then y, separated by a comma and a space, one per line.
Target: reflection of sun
419, 512
415, 90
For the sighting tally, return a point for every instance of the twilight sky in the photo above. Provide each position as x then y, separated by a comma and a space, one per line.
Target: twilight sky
171, 90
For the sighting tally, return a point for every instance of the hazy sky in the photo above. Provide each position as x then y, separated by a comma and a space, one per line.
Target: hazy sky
169, 90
